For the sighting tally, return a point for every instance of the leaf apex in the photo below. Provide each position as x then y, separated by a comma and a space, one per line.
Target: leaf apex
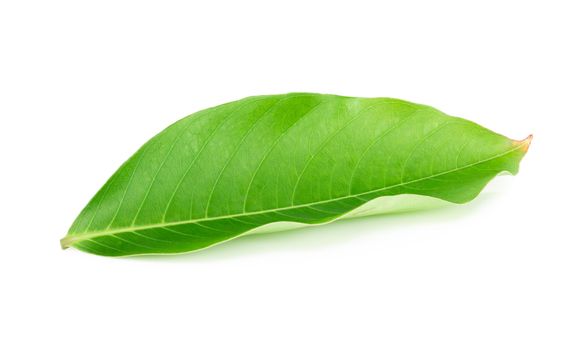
525, 143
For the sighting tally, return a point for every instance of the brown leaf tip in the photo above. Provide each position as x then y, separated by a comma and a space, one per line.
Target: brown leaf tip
525, 143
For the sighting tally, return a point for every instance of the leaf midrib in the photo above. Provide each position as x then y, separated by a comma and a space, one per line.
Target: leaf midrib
71, 239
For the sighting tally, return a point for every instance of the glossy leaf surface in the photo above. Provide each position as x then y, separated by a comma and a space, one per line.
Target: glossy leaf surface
308, 158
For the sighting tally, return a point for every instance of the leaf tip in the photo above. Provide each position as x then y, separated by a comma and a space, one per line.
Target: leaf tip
525, 143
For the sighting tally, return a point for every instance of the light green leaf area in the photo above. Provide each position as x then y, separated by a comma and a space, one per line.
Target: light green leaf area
296, 158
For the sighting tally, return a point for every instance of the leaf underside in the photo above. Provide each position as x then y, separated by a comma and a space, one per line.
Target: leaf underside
305, 158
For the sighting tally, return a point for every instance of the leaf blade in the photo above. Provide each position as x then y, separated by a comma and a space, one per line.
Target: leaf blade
304, 158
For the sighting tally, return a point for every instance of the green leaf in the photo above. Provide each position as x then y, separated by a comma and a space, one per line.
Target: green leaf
306, 158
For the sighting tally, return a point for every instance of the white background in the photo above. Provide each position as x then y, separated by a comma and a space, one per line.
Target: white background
83, 85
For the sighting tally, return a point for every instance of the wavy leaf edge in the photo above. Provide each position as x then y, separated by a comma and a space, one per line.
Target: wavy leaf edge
71, 240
